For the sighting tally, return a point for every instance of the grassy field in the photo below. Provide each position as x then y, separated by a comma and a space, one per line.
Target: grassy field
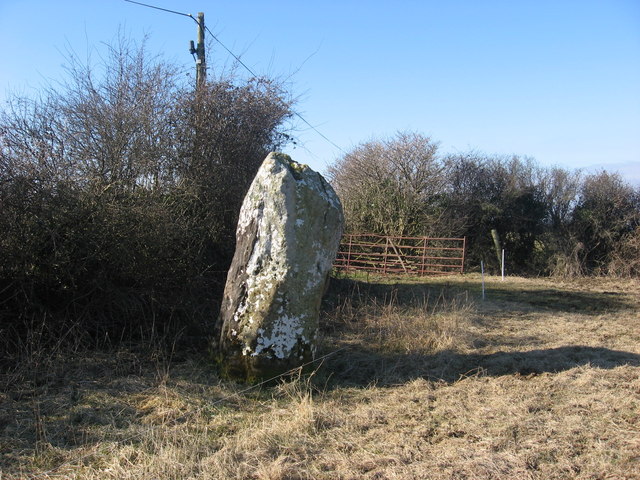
423, 380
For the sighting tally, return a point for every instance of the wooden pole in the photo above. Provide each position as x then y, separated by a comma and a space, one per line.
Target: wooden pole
201, 64
464, 252
424, 254
386, 252
496, 243
398, 255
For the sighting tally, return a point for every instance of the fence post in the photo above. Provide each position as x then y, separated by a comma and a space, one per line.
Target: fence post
464, 252
386, 252
424, 254
349, 254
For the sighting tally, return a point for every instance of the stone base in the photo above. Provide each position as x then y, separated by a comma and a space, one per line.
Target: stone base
252, 370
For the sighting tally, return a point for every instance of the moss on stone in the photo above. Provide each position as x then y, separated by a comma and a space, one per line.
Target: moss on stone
256, 369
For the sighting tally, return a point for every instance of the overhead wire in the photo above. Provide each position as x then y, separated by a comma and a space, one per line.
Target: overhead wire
244, 65
160, 8
254, 75
230, 52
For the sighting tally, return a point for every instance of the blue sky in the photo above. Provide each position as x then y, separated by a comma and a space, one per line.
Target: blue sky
558, 81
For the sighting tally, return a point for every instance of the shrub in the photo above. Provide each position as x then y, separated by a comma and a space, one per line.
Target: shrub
119, 195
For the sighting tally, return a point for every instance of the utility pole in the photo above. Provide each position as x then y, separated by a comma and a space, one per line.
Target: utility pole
201, 64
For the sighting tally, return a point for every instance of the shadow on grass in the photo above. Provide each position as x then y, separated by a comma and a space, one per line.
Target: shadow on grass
550, 299
356, 366
519, 297
86, 408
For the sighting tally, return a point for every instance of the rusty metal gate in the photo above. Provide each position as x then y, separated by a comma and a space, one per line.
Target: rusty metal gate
391, 255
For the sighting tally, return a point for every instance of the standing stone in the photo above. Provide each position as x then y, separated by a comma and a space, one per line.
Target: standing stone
288, 234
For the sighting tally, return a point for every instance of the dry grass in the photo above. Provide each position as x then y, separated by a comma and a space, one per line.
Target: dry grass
539, 381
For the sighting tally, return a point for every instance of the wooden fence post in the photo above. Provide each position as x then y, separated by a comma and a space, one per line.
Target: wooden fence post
349, 254
464, 252
424, 255
386, 250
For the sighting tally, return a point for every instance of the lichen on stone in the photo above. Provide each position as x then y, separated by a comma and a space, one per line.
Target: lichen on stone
288, 232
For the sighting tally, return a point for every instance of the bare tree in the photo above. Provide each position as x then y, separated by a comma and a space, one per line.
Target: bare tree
606, 214
391, 186
498, 198
119, 190
561, 189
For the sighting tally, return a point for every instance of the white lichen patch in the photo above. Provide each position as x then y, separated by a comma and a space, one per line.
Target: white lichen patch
285, 334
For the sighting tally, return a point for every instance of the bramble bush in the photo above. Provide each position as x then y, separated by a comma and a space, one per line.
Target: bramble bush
119, 193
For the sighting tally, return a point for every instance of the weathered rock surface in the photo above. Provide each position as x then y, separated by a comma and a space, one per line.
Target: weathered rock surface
288, 233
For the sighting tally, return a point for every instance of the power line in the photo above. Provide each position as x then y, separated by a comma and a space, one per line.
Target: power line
231, 53
237, 58
318, 132
254, 75
163, 9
